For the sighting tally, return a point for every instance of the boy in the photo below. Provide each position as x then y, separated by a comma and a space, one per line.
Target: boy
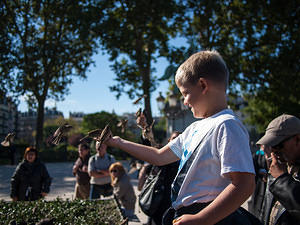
214, 181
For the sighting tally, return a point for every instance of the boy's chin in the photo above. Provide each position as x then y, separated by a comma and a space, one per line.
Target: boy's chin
195, 114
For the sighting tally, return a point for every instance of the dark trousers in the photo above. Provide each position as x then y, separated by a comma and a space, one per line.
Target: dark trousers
97, 190
238, 217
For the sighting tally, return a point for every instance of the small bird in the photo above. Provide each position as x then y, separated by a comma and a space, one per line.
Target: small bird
122, 124
148, 134
93, 134
139, 99
59, 133
106, 133
138, 113
8, 140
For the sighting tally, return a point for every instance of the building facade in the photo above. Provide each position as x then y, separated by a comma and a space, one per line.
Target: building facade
8, 117
28, 121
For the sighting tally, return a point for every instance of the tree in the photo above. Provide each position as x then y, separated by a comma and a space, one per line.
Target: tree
135, 33
270, 59
99, 120
49, 43
260, 42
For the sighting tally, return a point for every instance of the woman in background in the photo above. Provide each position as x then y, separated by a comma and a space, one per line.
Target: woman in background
31, 180
122, 188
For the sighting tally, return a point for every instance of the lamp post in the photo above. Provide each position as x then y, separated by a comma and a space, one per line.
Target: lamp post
160, 102
172, 109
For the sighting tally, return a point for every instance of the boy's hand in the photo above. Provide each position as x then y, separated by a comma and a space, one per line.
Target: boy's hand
277, 168
112, 141
187, 219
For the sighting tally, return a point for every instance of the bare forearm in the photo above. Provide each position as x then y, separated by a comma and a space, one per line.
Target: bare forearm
142, 152
99, 174
232, 197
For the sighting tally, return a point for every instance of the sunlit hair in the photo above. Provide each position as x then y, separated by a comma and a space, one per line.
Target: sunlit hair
30, 149
206, 64
121, 171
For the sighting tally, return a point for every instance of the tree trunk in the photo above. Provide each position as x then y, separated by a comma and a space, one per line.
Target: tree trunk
146, 90
40, 124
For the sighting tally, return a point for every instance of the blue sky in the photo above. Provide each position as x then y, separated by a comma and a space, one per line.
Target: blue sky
93, 95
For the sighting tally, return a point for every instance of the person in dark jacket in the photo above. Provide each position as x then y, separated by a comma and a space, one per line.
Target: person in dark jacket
80, 170
31, 180
255, 205
282, 205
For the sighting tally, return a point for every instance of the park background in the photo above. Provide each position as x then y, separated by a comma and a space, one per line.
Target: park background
66, 61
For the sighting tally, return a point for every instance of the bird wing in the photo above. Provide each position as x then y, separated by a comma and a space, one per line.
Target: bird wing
105, 134
139, 99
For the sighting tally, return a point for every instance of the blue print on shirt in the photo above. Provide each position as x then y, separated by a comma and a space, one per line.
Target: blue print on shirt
186, 151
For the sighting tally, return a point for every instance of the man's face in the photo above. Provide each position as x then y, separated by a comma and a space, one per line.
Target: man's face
287, 150
101, 149
82, 151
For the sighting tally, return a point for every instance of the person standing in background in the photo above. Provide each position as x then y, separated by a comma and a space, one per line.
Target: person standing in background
98, 171
80, 170
283, 136
31, 180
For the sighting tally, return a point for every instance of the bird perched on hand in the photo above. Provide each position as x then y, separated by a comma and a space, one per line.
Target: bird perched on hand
59, 133
122, 124
93, 134
106, 133
147, 132
8, 140
139, 99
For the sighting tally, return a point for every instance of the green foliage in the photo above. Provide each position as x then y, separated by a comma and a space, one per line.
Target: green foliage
159, 130
75, 212
260, 42
100, 119
46, 43
135, 33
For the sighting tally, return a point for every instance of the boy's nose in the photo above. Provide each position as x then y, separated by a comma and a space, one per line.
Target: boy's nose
185, 102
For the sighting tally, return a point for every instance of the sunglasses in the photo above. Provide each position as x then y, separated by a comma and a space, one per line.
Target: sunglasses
281, 144
114, 171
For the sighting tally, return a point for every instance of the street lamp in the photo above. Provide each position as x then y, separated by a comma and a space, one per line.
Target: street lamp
160, 102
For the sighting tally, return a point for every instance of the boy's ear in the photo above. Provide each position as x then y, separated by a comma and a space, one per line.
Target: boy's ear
203, 84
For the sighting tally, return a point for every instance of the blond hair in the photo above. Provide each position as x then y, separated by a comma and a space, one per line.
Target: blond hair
121, 171
206, 64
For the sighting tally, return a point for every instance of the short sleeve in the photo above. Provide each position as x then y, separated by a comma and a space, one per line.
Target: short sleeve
233, 148
91, 165
175, 146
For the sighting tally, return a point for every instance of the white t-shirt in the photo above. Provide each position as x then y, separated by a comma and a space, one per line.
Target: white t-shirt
224, 149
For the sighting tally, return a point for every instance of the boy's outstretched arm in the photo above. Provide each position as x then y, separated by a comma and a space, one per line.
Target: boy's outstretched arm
150, 154
231, 198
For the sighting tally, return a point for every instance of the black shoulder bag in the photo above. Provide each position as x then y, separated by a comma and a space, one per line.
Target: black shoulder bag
153, 191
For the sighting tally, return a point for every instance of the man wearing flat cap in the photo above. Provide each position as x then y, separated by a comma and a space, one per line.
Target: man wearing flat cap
283, 136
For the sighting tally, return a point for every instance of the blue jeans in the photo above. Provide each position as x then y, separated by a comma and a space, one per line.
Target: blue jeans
98, 190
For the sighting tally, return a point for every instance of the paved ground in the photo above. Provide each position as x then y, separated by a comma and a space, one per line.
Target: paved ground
62, 185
